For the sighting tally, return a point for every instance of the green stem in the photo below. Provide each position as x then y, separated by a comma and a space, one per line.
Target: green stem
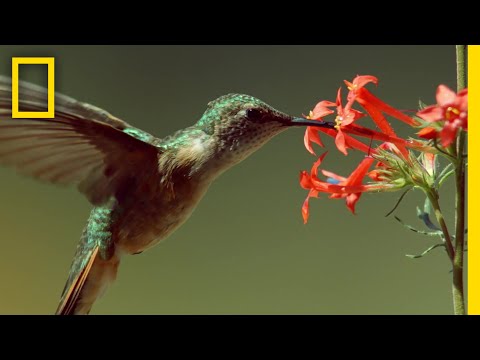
433, 197
461, 67
457, 289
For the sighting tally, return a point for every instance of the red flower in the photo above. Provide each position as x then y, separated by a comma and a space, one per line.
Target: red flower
352, 187
428, 161
321, 110
451, 108
373, 105
306, 183
354, 180
376, 107
349, 188
346, 117
428, 133
375, 175
311, 133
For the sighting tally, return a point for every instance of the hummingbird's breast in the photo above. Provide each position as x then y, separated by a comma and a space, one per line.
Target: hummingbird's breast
156, 211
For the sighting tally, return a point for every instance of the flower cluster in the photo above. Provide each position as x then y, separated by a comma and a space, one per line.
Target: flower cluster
393, 161
445, 118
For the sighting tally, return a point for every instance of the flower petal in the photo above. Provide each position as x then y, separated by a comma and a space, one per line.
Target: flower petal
448, 133
338, 102
350, 115
366, 97
356, 144
374, 175
378, 118
445, 95
340, 142
305, 180
311, 135
316, 164
305, 210
356, 177
330, 132
322, 109
361, 80
429, 163
431, 114
351, 142
352, 200
464, 122
323, 186
375, 135
333, 175
306, 206
428, 133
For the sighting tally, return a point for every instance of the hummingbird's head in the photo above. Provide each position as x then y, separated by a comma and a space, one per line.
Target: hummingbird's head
241, 124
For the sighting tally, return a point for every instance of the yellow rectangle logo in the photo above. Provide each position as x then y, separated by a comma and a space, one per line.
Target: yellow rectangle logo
473, 176
50, 113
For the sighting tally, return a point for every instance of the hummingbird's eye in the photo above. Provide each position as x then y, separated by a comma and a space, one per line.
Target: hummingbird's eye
253, 114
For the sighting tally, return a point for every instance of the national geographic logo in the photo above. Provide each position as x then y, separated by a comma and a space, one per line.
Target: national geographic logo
50, 62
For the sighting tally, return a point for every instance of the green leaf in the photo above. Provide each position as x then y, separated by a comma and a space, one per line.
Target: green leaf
444, 171
421, 105
398, 201
425, 252
426, 233
442, 179
425, 218
427, 206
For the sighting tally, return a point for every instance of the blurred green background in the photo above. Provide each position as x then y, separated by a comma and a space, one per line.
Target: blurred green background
245, 249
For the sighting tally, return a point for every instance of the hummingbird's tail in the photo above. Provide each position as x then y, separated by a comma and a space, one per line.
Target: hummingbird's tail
87, 283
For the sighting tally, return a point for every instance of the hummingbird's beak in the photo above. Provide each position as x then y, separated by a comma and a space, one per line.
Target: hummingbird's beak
307, 122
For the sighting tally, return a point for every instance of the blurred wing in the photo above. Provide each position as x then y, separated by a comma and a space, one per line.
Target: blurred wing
83, 145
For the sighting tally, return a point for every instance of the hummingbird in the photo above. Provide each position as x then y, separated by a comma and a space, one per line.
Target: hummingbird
142, 188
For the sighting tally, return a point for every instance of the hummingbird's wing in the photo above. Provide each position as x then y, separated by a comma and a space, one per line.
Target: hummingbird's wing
83, 145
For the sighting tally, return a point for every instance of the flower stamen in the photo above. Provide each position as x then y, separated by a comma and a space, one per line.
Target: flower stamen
451, 110
338, 122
